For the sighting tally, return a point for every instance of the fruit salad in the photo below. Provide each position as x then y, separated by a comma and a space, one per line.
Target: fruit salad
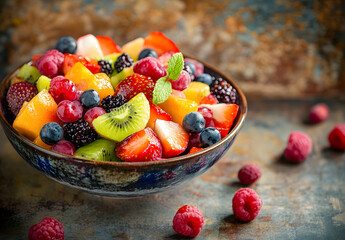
90, 98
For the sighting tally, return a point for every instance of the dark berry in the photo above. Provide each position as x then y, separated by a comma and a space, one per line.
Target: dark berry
48, 228
51, 133
90, 98
69, 111
193, 122
223, 91
209, 136
62, 89
123, 61
79, 133
246, 204
64, 147
147, 52
191, 66
105, 67
66, 45
110, 102
204, 78
188, 69
249, 173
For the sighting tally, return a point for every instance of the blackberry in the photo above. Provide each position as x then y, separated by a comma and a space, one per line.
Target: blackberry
105, 67
111, 101
79, 133
123, 61
223, 91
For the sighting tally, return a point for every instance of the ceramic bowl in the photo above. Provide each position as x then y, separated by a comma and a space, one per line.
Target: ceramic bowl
121, 179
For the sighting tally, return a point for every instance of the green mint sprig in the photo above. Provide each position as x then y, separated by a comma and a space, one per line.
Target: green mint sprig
163, 87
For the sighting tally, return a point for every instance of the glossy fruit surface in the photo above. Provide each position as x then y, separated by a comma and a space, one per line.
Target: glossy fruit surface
66, 44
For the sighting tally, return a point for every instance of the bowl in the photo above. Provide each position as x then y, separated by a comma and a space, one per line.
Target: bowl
121, 179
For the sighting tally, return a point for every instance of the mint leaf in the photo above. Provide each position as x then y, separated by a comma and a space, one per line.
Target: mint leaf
175, 66
162, 90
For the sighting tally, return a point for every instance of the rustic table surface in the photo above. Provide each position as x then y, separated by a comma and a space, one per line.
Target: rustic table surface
300, 201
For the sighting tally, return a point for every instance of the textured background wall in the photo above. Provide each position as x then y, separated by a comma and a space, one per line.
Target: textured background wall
270, 47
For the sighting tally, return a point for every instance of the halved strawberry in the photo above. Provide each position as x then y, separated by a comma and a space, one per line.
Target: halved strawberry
160, 43
71, 59
223, 131
142, 146
164, 58
135, 84
173, 137
194, 150
223, 114
108, 46
209, 99
157, 113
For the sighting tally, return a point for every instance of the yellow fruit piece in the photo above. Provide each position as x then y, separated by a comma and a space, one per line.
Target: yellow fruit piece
38, 141
133, 48
101, 83
196, 91
33, 115
78, 73
178, 107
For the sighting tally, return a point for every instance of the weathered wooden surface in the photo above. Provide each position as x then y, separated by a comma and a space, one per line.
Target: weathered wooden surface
300, 201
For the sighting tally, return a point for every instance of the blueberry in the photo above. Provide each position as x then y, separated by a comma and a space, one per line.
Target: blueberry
209, 137
66, 45
90, 98
147, 52
51, 133
188, 69
204, 78
193, 122
192, 67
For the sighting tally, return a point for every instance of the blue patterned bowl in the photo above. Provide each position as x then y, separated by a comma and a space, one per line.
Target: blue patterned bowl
120, 179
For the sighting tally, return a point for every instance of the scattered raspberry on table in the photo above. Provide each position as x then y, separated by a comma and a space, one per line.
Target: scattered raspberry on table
249, 173
336, 137
299, 147
318, 113
246, 204
188, 221
48, 229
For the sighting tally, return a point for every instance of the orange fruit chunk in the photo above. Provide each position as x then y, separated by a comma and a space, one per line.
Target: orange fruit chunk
33, 115
38, 141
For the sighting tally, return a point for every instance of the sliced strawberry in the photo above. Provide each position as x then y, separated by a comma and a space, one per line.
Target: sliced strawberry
135, 84
223, 114
157, 113
142, 146
209, 99
173, 137
71, 59
35, 58
223, 131
108, 46
160, 43
194, 150
164, 58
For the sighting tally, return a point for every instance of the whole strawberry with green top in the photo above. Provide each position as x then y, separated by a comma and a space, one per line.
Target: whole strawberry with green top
135, 84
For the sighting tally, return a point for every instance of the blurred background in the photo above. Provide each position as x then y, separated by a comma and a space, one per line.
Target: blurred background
278, 48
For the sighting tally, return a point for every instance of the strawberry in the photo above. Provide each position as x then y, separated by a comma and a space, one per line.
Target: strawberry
135, 84
209, 99
173, 137
194, 150
223, 114
223, 131
157, 113
108, 46
142, 146
19, 93
164, 58
160, 43
71, 59
34, 58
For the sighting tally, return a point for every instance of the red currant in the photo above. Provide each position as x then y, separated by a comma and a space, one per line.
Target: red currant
64, 147
93, 113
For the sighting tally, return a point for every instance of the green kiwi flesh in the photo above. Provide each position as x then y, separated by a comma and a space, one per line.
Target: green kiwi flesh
43, 83
125, 120
99, 150
29, 73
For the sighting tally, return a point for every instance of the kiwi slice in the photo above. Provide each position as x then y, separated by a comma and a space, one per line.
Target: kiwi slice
118, 77
43, 83
29, 73
125, 120
99, 150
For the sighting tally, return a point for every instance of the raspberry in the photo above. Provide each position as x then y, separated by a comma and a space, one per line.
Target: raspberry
207, 114
62, 89
299, 147
18, 94
50, 63
336, 137
246, 204
318, 113
47, 229
188, 221
105, 67
123, 61
223, 91
111, 101
79, 133
69, 111
249, 173
150, 67
182, 82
